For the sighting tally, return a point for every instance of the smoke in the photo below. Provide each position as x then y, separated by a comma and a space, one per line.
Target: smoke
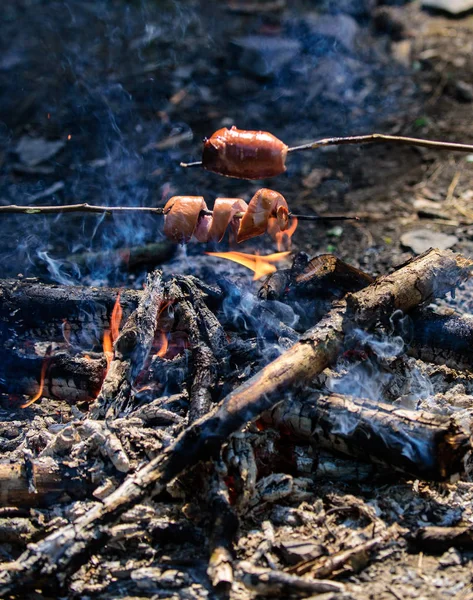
373, 370
57, 271
116, 81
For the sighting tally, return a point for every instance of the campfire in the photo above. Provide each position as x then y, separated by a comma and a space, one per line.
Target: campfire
227, 407
216, 380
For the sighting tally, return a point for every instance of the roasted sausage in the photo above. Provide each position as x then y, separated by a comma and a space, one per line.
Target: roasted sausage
184, 218
267, 209
181, 217
224, 212
244, 154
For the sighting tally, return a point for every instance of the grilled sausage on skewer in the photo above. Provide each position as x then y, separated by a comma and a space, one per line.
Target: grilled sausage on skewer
185, 217
266, 209
181, 217
224, 212
258, 154
244, 154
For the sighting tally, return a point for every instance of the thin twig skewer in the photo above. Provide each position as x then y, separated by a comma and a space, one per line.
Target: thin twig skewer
381, 138
91, 208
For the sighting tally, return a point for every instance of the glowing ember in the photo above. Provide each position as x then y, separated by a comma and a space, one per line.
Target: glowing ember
163, 342
261, 265
44, 368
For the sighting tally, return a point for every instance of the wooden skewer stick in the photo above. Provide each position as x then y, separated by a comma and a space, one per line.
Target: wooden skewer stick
372, 138
381, 138
91, 208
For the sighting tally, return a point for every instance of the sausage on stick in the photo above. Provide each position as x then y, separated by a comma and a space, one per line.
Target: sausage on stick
259, 154
185, 216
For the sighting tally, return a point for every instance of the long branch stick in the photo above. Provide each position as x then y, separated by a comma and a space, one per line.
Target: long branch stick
93, 208
371, 138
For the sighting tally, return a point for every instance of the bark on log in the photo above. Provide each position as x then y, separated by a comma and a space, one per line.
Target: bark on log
207, 339
436, 540
50, 480
131, 351
442, 339
322, 276
130, 258
51, 561
70, 378
431, 274
39, 311
417, 443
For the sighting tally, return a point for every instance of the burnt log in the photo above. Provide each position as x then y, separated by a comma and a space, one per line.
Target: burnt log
129, 258
48, 563
442, 339
131, 351
436, 540
416, 443
78, 315
207, 340
323, 276
224, 528
67, 377
50, 481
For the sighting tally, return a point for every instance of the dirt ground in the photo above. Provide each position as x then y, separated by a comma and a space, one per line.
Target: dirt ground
130, 90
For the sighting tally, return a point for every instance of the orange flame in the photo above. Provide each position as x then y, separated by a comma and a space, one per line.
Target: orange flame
261, 265
116, 319
42, 377
108, 347
283, 238
163, 307
110, 335
163, 339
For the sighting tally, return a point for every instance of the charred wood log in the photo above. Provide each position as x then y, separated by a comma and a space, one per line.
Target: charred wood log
51, 561
59, 313
442, 339
67, 377
129, 258
418, 443
223, 532
275, 583
437, 540
203, 382
50, 480
207, 339
131, 351
324, 275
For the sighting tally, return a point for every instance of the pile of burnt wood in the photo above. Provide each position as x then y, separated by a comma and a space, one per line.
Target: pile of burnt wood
197, 362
